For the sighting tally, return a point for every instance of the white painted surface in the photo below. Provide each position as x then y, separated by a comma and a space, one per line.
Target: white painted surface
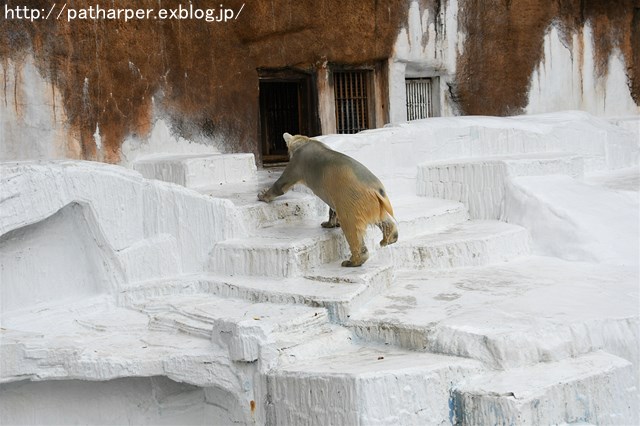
196, 171
394, 152
162, 141
524, 312
154, 400
566, 79
387, 387
481, 183
574, 220
309, 341
32, 116
35, 268
472, 243
574, 393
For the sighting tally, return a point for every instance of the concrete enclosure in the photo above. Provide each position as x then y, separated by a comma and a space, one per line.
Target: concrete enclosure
510, 297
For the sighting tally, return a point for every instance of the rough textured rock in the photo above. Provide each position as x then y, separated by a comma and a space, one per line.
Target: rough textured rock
504, 43
107, 80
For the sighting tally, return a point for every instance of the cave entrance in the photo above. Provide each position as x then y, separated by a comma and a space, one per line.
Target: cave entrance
287, 104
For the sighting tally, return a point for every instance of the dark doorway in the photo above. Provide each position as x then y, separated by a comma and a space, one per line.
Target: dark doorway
287, 105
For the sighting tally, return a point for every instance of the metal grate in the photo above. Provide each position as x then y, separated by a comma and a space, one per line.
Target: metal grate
352, 100
419, 100
279, 107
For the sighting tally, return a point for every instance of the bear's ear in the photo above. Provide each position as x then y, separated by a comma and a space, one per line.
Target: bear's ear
287, 138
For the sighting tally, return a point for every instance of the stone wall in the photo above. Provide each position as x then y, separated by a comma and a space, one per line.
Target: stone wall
111, 90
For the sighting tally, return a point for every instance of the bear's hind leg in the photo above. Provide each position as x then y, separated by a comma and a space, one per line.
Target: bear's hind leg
389, 231
355, 238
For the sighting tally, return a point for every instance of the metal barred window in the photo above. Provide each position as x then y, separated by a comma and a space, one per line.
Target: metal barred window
419, 98
352, 100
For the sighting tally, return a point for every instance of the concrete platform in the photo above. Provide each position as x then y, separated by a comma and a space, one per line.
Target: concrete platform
138, 291
198, 170
472, 243
480, 183
330, 286
367, 385
570, 391
520, 313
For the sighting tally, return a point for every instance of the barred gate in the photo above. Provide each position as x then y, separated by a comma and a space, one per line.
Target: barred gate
352, 100
419, 98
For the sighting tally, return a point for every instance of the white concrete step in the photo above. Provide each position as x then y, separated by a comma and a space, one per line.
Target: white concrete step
291, 249
366, 385
100, 342
472, 243
480, 182
515, 314
596, 388
339, 290
283, 250
251, 330
198, 170
420, 215
290, 208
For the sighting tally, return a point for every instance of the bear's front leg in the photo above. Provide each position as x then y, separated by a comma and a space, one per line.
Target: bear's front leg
333, 220
266, 195
289, 177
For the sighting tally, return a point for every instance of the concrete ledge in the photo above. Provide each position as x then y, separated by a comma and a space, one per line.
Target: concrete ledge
367, 385
596, 388
480, 183
516, 314
251, 331
201, 170
417, 215
279, 251
473, 243
339, 290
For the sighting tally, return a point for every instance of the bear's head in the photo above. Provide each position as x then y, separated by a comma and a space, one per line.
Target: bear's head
294, 142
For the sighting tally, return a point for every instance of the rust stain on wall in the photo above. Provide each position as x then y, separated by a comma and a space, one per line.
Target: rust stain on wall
505, 40
203, 75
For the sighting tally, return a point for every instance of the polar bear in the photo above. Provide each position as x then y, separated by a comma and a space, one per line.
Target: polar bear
356, 197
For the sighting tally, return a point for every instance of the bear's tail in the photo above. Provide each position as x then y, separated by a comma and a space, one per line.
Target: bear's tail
385, 204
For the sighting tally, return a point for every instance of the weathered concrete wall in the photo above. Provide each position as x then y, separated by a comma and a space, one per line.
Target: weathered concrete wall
515, 56
504, 43
110, 90
114, 77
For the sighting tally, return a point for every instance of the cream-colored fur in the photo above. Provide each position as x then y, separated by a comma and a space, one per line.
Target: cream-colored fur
356, 197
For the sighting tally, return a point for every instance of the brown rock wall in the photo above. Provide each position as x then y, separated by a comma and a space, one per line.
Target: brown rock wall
203, 75
505, 39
